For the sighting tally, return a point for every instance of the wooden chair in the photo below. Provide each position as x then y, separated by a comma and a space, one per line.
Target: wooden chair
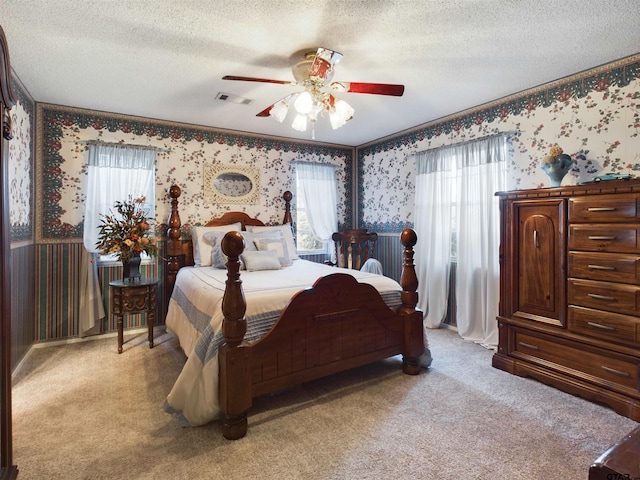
354, 247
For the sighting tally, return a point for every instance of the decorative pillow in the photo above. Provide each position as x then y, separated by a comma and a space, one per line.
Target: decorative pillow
214, 239
202, 248
219, 259
251, 237
287, 234
256, 261
276, 245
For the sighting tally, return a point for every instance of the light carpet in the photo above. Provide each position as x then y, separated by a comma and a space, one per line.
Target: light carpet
81, 411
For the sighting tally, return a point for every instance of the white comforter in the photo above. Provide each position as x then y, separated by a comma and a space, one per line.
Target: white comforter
195, 317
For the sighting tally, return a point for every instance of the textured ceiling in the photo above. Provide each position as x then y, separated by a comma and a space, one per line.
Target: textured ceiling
165, 59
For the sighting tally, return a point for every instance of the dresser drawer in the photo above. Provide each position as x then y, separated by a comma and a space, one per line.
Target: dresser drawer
604, 325
612, 297
611, 267
595, 365
604, 208
604, 238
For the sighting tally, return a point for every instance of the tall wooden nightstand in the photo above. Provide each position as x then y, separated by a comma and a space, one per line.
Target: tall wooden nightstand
129, 298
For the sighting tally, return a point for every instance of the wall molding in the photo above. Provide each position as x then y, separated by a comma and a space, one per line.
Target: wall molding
617, 73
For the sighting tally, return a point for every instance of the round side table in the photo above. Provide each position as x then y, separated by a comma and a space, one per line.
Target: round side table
128, 298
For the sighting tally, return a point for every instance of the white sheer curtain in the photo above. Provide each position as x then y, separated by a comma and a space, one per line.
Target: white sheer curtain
114, 172
434, 184
320, 196
480, 171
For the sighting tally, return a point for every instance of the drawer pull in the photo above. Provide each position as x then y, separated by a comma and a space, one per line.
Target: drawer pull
528, 345
601, 237
601, 297
617, 372
601, 267
601, 209
600, 326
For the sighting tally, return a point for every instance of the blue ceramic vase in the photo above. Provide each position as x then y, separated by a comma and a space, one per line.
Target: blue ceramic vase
556, 168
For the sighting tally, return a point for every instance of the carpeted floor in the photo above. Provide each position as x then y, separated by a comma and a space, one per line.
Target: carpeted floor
81, 411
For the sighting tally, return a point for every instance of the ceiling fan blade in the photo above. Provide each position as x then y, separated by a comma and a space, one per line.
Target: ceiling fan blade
283, 102
266, 112
323, 63
373, 88
254, 79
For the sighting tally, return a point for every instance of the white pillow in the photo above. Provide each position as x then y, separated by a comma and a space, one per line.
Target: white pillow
202, 248
256, 261
287, 234
275, 245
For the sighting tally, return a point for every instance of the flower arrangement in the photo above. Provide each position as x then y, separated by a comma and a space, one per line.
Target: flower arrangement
556, 155
126, 233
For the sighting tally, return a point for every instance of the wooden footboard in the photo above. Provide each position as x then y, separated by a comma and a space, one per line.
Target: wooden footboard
336, 325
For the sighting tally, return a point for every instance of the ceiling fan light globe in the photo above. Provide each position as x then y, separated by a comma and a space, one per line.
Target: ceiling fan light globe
341, 113
344, 109
280, 110
300, 123
336, 120
304, 103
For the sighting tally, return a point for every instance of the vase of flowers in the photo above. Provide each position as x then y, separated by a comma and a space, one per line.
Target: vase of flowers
126, 233
556, 165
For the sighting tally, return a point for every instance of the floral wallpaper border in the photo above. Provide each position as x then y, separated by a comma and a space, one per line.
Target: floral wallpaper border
52, 119
620, 73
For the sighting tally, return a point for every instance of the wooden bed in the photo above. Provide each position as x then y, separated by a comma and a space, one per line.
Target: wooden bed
336, 325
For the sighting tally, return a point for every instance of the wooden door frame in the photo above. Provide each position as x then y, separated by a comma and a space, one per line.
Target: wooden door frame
7, 101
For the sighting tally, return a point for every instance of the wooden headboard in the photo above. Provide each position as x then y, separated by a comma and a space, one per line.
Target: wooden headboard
179, 252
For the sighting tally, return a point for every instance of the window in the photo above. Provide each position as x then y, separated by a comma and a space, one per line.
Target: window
116, 172
306, 239
316, 207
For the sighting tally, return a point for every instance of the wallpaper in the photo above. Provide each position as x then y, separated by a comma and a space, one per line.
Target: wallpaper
594, 117
183, 152
21, 164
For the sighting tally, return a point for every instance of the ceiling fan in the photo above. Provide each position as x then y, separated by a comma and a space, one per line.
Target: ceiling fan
314, 74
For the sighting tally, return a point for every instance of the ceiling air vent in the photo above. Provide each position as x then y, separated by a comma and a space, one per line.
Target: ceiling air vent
228, 97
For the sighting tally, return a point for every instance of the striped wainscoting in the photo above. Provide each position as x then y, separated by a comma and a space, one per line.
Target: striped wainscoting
452, 303
57, 286
57, 292
23, 305
320, 258
389, 251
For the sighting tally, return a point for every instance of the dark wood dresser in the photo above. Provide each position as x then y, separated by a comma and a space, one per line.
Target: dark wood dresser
569, 311
621, 461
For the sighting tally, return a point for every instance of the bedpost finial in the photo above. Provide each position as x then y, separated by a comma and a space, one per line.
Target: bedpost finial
409, 238
233, 244
287, 196
174, 191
